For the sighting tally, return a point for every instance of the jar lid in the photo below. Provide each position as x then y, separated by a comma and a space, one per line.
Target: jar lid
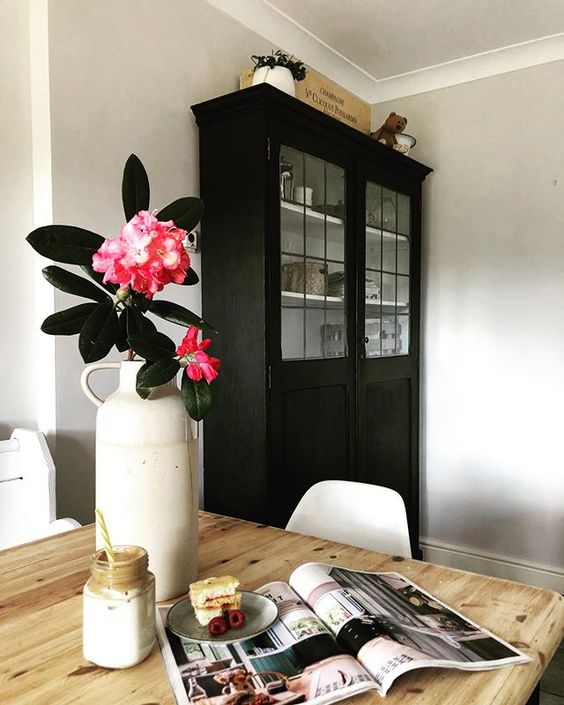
128, 569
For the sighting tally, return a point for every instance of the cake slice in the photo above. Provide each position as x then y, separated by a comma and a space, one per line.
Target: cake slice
212, 596
212, 588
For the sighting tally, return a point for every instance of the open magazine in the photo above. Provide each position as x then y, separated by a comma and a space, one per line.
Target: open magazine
340, 632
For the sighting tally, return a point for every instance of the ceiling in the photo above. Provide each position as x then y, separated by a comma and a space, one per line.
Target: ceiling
383, 50
388, 39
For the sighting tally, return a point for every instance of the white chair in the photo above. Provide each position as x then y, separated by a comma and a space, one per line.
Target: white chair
27, 490
368, 516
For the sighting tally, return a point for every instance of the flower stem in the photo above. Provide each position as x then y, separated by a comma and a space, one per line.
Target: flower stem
130, 354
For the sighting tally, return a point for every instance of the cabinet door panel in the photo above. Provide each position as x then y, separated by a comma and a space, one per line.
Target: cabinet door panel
388, 434
387, 318
315, 443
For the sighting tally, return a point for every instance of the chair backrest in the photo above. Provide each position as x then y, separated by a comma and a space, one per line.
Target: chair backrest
368, 516
27, 490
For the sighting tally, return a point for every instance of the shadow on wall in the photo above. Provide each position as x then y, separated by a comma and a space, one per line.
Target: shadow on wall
74, 460
512, 528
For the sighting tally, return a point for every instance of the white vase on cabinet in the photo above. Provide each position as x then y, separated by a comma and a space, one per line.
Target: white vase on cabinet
145, 484
280, 77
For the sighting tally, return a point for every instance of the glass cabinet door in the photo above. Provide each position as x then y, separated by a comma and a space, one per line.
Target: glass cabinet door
386, 276
312, 237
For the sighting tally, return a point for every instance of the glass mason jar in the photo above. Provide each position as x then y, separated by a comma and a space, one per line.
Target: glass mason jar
119, 608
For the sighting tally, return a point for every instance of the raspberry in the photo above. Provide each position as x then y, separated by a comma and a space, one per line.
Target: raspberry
236, 619
217, 626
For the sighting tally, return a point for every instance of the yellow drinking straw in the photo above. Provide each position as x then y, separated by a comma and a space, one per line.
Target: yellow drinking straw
105, 536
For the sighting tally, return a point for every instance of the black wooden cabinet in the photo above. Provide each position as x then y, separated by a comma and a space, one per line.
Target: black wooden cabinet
311, 273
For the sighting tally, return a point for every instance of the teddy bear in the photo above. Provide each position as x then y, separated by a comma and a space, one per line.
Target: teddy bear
387, 133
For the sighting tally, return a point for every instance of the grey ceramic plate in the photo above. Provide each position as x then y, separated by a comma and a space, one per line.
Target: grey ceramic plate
260, 612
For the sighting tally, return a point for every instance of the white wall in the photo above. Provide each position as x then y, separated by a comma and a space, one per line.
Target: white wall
493, 308
17, 355
122, 78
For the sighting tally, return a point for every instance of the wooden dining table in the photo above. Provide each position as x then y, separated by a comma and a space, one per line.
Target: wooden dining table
41, 661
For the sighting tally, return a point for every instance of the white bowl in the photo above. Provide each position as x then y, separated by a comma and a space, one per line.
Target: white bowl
404, 142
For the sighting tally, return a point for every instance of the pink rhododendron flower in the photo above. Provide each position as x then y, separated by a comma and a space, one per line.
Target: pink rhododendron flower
147, 255
200, 364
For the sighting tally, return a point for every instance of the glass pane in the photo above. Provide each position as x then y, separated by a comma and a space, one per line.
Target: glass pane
389, 253
403, 292
292, 333
291, 172
403, 255
373, 287
315, 318
292, 280
311, 195
292, 230
404, 214
373, 248
389, 206
372, 332
388, 335
333, 334
388, 290
403, 335
373, 205
335, 282
335, 209
312, 215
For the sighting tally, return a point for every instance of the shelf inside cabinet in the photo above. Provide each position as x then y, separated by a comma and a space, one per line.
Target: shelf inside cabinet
315, 222
295, 299
386, 234
293, 221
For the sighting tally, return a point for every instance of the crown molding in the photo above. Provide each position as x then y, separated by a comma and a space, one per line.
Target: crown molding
268, 21
470, 68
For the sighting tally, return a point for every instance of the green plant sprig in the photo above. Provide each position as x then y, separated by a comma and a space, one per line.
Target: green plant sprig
279, 58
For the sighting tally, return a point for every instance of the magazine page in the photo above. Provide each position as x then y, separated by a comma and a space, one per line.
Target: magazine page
392, 625
296, 661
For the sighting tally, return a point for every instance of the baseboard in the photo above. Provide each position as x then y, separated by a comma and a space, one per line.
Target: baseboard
478, 561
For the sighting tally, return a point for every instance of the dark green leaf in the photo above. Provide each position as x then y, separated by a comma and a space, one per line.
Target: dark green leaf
99, 332
65, 243
152, 345
197, 397
134, 187
158, 373
137, 322
142, 391
141, 301
99, 277
178, 314
121, 343
69, 321
190, 279
186, 212
73, 284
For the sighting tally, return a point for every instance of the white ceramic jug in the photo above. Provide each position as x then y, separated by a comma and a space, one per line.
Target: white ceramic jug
280, 77
145, 485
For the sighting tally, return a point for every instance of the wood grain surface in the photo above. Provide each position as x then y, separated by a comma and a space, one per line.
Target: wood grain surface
41, 660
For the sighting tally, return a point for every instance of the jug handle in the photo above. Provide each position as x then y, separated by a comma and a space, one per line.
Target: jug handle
87, 371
